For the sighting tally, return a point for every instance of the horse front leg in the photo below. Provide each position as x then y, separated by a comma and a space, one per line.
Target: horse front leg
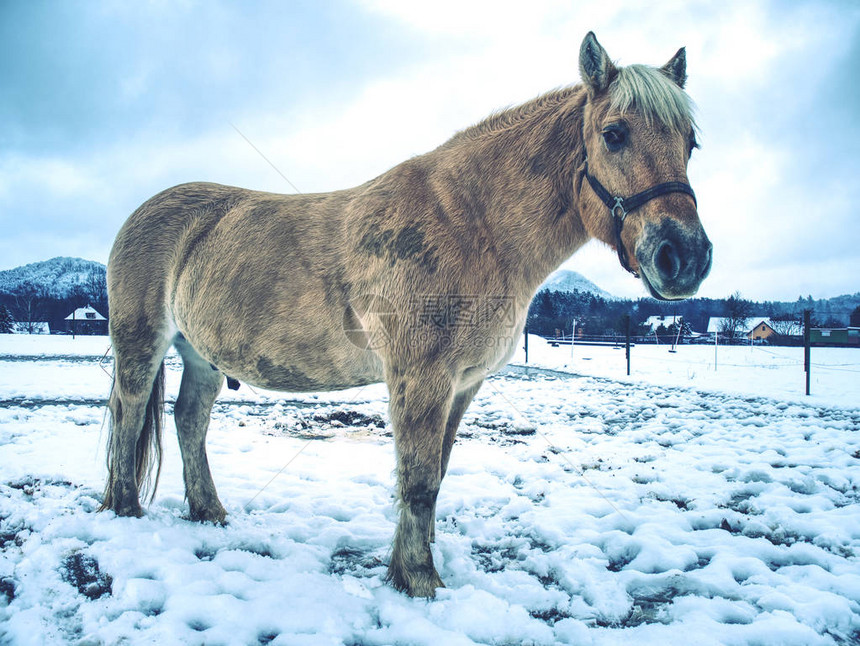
455, 416
419, 407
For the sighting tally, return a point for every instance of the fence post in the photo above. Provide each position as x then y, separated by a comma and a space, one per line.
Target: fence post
807, 337
716, 343
627, 341
526, 346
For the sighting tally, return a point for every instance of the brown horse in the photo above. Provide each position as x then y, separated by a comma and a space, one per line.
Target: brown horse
421, 277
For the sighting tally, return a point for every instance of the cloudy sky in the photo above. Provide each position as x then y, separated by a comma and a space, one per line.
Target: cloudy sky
103, 104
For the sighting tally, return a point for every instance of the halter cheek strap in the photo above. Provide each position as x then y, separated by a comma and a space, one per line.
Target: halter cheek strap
619, 207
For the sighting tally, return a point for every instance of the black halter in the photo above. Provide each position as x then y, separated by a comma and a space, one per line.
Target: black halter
621, 206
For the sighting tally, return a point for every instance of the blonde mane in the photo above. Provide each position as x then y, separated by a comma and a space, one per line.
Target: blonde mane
508, 117
642, 87
653, 94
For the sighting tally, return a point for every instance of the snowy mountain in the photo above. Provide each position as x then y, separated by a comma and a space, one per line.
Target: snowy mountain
565, 280
58, 277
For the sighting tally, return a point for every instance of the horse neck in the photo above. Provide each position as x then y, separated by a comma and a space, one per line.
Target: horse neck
521, 173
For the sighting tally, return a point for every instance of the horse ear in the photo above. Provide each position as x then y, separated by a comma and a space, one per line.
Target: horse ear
596, 69
676, 69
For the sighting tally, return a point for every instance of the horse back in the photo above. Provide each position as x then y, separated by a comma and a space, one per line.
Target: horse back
255, 281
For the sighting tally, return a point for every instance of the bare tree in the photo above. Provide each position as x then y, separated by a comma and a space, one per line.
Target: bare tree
734, 323
786, 326
96, 288
29, 306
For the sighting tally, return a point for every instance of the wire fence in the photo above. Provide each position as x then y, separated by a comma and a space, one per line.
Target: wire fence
669, 341
827, 360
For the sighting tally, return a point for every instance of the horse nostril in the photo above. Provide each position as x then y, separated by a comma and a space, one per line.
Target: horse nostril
666, 261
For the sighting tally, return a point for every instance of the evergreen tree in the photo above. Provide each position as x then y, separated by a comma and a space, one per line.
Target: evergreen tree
5, 320
855, 317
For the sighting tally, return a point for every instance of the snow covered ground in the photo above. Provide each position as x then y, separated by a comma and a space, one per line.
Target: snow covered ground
748, 370
681, 505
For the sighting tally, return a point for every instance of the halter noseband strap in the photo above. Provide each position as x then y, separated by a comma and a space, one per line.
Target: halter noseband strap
619, 207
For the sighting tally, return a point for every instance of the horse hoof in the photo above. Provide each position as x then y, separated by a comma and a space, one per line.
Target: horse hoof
217, 515
421, 587
129, 511
422, 583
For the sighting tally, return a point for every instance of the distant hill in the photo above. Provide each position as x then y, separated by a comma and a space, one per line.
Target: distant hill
57, 278
565, 280
48, 291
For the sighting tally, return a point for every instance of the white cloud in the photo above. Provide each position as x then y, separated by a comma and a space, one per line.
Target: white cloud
482, 56
474, 19
56, 176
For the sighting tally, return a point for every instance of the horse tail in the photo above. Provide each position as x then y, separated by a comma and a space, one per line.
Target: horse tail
148, 451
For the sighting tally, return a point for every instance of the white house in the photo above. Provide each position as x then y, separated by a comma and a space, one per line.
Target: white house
86, 320
34, 327
654, 322
756, 328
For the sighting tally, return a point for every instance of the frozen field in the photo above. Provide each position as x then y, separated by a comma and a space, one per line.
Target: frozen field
750, 370
681, 505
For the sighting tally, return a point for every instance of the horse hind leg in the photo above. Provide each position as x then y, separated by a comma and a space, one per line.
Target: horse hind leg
197, 393
134, 444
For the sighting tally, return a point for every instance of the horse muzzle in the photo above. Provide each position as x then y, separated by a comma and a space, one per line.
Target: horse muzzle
673, 259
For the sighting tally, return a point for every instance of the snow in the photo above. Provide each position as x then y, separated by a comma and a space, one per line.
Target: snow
565, 280
87, 313
680, 505
745, 370
57, 276
718, 325
656, 321
32, 327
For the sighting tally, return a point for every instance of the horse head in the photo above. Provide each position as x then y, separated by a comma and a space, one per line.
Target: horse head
638, 134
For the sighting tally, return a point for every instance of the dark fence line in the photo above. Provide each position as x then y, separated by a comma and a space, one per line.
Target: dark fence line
671, 341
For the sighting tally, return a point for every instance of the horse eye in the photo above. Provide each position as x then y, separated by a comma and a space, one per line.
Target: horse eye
693, 144
615, 136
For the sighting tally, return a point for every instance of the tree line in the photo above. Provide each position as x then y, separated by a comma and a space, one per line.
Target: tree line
553, 312
32, 303
550, 313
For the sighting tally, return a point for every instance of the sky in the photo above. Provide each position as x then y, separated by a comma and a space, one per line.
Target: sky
105, 103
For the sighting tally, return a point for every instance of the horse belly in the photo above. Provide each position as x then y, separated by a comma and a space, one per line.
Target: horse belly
269, 321
286, 373
286, 355
279, 370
